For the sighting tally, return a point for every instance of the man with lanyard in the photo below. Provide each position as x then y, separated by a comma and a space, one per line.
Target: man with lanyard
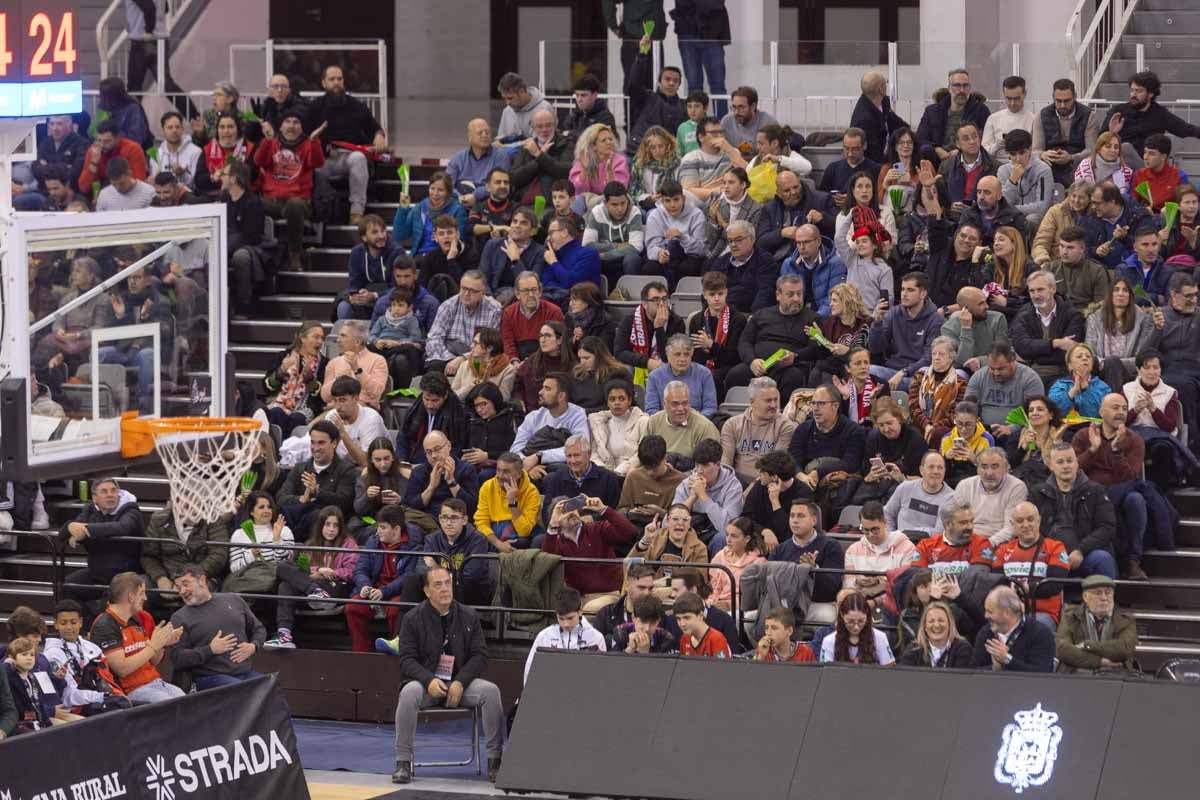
442, 656
1008, 642
1030, 559
571, 632
642, 337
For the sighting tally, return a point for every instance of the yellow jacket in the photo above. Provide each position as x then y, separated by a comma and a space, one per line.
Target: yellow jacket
493, 507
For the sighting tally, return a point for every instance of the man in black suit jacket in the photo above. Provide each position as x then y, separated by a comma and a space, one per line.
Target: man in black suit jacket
1011, 641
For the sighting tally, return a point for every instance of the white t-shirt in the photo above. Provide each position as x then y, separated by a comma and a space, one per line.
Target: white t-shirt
366, 428
883, 650
582, 637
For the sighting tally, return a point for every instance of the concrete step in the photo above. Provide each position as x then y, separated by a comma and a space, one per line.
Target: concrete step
323, 282
1165, 5
38, 595
1164, 624
35, 566
269, 331
1160, 48
1181, 563
1152, 655
296, 306
1172, 72
1160, 593
1187, 533
256, 357
329, 259
1186, 23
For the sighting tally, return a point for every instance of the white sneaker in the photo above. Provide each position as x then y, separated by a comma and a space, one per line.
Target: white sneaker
41, 520
281, 641
6, 521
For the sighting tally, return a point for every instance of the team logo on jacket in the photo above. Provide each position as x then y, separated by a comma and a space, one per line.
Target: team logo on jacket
1028, 749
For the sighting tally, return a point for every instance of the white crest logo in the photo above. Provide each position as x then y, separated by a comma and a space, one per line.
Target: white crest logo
1028, 749
160, 780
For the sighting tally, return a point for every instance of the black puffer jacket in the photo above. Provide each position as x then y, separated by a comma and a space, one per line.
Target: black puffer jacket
494, 435
107, 558
1095, 520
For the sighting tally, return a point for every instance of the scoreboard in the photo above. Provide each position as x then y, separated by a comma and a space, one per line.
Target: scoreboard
39, 61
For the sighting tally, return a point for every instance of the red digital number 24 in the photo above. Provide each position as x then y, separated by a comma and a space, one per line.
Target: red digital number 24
64, 44
6, 55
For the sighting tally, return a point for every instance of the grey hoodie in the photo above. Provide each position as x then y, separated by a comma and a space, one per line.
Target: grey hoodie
602, 233
1034, 192
690, 221
724, 501
516, 123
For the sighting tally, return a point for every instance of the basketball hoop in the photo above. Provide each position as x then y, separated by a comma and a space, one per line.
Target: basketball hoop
205, 459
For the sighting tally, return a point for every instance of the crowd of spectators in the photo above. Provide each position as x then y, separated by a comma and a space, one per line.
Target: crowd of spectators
967, 378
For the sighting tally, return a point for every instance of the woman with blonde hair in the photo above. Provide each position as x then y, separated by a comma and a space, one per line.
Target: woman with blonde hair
846, 325
939, 644
598, 161
1002, 276
656, 160
1068, 213
1106, 163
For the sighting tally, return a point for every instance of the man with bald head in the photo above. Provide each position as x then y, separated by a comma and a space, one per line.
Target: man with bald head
1010, 641
991, 211
873, 115
975, 327
469, 167
545, 157
1034, 561
1112, 455
435, 482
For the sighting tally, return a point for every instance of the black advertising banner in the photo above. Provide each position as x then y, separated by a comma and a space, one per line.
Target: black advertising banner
232, 742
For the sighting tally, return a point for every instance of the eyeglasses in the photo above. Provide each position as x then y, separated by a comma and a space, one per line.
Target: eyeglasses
468, 290
451, 518
854, 623
738, 239
534, 290
960, 86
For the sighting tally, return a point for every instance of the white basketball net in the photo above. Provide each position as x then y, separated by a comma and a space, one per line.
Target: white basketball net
204, 471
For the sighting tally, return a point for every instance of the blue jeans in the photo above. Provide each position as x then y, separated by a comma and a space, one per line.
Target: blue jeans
143, 359
1046, 620
701, 57
1132, 506
505, 530
213, 681
716, 544
1097, 562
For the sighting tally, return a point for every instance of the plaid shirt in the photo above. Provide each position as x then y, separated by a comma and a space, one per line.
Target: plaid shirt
454, 327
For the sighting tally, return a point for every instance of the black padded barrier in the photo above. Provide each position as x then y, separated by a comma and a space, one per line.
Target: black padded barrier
693, 729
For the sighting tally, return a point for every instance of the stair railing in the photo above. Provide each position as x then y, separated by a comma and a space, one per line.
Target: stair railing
1092, 40
110, 46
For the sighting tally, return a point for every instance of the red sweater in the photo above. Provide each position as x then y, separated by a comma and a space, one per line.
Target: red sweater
596, 540
514, 327
1106, 466
1162, 184
126, 149
287, 172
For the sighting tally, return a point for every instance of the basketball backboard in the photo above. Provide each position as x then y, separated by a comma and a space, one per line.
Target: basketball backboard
106, 314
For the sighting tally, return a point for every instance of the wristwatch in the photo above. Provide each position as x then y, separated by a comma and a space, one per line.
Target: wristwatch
451, 484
